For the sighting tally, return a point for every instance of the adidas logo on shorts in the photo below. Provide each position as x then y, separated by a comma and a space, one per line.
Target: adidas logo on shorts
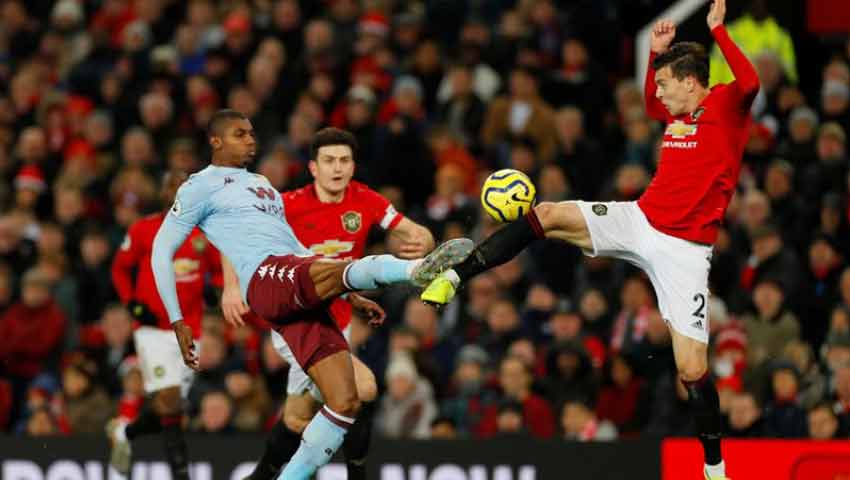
697, 324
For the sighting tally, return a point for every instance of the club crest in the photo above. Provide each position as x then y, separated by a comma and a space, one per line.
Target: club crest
600, 209
351, 221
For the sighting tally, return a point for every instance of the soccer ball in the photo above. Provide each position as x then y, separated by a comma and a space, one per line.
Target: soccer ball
508, 195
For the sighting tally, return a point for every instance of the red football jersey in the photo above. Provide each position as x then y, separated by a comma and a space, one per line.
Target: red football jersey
192, 261
701, 152
338, 230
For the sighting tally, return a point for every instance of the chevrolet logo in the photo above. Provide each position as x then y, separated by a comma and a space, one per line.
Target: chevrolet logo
332, 248
186, 266
680, 129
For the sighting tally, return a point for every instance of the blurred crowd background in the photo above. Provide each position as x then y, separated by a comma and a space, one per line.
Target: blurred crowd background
98, 98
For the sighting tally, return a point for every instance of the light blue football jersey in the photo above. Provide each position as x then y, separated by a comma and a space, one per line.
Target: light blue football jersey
239, 212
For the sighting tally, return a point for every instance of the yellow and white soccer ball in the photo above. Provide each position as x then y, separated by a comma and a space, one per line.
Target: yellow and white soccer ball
508, 195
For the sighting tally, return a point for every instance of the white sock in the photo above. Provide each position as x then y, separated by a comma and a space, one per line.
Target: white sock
452, 276
718, 470
121, 432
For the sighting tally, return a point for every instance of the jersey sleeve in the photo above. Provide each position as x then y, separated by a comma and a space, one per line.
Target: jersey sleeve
383, 212
125, 261
189, 209
746, 85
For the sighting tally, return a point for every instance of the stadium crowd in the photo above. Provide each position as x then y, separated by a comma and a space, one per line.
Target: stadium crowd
99, 98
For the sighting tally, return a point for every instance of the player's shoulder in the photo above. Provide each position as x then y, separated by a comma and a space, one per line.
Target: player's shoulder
359, 192
298, 193
202, 184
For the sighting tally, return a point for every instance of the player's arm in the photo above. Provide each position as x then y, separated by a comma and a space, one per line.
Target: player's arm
408, 239
660, 38
746, 84
188, 210
232, 305
124, 266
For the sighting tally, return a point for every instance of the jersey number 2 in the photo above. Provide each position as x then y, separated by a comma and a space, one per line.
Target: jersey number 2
701, 299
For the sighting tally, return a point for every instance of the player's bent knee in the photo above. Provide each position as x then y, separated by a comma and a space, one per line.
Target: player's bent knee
546, 214
692, 370
295, 423
348, 406
367, 389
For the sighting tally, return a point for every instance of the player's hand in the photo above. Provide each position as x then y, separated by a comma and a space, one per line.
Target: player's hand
187, 344
413, 248
662, 36
716, 14
233, 307
140, 312
368, 309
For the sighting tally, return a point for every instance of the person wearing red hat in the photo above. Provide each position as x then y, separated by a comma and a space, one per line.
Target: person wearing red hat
29, 185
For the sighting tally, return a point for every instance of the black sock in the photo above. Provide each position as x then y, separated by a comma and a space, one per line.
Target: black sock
702, 396
146, 423
280, 447
356, 443
176, 451
502, 246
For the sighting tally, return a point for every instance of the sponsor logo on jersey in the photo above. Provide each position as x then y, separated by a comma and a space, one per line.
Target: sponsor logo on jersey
199, 244
680, 129
600, 209
331, 248
185, 266
351, 221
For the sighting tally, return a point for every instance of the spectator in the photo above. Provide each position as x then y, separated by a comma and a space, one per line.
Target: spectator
799, 147
823, 424
463, 111
215, 415
31, 330
580, 423
745, 417
623, 398
813, 384
470, 399
509, 421
515, 380
783, 415
408, 408
443, 428
521, 113
86, 403
251, 403
771, 326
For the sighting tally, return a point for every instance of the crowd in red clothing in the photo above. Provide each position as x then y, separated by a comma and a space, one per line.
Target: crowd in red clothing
99, 98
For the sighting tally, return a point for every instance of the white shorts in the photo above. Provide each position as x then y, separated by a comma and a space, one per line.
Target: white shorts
161, 361
677, 268
297, 381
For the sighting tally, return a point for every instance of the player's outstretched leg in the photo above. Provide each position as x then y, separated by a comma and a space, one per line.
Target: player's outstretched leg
562, 221
121, 434
692, 362
376, 271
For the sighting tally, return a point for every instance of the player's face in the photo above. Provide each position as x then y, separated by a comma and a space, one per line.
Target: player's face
333, 168
237, 144
672, 92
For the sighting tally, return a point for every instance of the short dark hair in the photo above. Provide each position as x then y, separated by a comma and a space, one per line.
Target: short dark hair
221, 117
685, 59
332, 136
